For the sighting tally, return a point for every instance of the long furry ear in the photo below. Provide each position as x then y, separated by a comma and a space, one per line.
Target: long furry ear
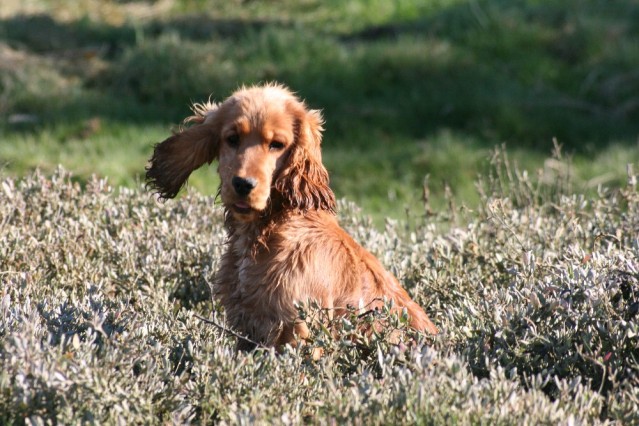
303, 182
178, 156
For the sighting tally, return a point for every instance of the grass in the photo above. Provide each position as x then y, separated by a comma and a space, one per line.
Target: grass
536, 293
408, 88
531, 271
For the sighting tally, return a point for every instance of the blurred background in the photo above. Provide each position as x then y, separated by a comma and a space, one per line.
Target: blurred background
409, 88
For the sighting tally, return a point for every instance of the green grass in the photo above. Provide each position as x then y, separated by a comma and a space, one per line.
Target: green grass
408, 88
528, 263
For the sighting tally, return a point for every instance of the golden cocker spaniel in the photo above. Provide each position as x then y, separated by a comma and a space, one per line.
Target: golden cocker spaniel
284, 243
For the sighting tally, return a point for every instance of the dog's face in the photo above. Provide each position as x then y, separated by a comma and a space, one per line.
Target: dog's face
257, 135
268, 146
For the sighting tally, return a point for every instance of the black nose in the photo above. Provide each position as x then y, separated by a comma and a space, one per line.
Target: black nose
243, 186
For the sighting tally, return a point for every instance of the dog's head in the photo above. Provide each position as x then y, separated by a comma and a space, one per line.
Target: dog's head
268, 146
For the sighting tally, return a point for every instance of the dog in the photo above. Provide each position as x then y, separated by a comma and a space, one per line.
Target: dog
285, 246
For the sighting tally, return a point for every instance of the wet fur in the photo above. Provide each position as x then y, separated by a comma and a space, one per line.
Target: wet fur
289, 249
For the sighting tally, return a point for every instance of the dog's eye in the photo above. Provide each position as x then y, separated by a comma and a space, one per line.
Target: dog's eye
233, 140
276, 146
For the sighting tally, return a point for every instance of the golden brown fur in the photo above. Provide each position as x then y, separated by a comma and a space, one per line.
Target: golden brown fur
285, 245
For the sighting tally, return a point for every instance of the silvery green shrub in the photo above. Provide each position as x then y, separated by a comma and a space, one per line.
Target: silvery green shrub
536, 292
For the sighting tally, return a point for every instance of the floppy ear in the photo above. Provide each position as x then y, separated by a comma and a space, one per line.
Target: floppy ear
174, 159
303, 181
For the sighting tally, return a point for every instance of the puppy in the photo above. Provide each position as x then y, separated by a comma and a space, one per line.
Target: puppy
284, 243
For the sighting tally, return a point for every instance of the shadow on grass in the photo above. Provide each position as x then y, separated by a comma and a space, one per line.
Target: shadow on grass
521, 71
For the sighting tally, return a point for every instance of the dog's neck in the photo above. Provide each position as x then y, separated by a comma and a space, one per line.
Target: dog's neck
256, 232
253, 235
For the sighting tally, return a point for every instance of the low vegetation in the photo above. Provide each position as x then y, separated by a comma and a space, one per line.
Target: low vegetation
408, 88
528, 264
536, 293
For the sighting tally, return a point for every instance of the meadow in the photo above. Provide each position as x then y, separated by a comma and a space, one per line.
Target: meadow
485, 151
409, 89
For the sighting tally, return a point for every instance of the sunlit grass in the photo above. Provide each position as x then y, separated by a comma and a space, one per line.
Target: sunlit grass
408, 89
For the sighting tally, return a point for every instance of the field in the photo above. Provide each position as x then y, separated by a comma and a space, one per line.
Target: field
536, 292
408, 88
486, 152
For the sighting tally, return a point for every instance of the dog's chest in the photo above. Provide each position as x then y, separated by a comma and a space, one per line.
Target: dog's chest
245, 264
